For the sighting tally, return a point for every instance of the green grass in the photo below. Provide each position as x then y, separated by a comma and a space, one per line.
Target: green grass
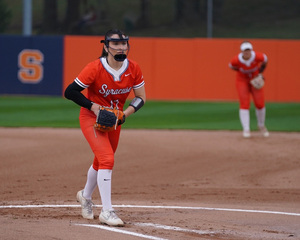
38, 112
59, 112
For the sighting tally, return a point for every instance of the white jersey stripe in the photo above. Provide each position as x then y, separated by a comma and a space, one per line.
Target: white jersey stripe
139, 85
80, 83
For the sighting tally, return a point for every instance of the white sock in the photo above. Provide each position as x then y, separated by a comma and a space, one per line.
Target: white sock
260, 116
91, 183
104, 185
245, 119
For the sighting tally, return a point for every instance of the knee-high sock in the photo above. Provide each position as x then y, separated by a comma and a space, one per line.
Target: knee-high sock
245, 119
104, 185
91, 183
260, 116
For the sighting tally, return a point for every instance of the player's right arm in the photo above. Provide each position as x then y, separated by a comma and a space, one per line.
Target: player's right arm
73, 92
234, 64
233, 67
85, 78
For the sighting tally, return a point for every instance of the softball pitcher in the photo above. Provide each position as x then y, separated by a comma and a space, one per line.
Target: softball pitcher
108, 81
249, 66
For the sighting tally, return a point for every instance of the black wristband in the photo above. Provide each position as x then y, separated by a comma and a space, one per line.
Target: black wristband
137, 103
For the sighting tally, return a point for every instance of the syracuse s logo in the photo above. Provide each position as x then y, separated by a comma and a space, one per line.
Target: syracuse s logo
30, 64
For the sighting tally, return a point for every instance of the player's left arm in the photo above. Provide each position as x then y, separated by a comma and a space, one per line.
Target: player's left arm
138, 101
264, 63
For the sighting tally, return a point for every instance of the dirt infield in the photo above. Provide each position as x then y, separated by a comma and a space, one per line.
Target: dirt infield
166, 185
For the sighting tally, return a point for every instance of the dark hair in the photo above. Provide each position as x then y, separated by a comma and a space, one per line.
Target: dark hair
108, 34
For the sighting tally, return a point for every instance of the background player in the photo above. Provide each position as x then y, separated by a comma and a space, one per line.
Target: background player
108, 81
249, 64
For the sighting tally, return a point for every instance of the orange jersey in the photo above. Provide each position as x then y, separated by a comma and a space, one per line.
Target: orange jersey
247, 69
108, 87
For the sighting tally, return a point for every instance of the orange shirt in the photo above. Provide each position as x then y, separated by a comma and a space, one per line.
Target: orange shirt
108, 87
248, 68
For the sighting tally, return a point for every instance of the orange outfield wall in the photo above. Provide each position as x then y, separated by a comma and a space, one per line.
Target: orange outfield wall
194, 68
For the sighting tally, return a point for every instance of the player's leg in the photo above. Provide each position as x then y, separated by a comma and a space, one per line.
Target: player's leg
87, 120
104, 179
243, 90
105, 163
244, 115
108, 215
91, 183
260, 110
84, 197
100, 144
104, 146
105, 157
104, 184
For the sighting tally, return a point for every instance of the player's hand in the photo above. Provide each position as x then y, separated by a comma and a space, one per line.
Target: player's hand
95, 108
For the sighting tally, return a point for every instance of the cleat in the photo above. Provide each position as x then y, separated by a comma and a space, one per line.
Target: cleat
246, 134
110, 218
86, 206
264, 131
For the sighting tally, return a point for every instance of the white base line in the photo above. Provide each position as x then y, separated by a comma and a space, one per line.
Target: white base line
153, 207
159, 226
121, 231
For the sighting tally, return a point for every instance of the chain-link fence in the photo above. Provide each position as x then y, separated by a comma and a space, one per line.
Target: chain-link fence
157, 18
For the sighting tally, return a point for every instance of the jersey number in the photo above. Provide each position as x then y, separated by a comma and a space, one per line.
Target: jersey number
114, 103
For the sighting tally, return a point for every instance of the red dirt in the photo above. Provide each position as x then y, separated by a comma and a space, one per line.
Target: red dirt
213, 170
